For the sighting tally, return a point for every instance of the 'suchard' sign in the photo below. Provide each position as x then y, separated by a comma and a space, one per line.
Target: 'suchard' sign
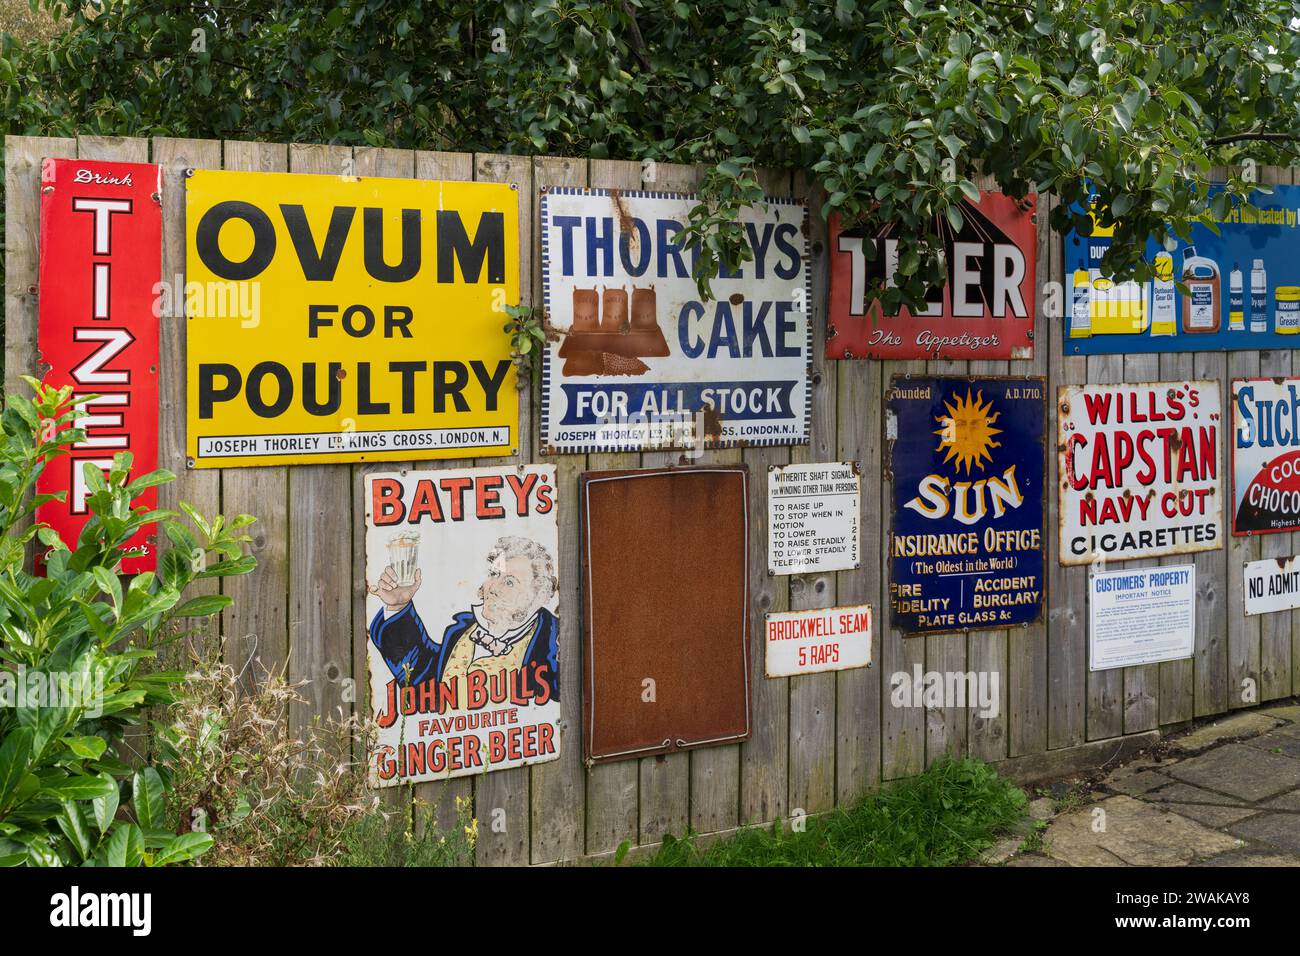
641, 360
966, 548
463, 630
986, 309
336, 318
101, 263
1265, 455
1139, 470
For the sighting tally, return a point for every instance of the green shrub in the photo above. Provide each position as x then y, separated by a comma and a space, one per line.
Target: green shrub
86, 634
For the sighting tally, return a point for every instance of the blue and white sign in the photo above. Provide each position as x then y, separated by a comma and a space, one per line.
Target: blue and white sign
639, 359
969, 472
1241, 287
1141, 616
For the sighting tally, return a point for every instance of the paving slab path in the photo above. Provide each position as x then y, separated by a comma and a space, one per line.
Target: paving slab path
1224, 794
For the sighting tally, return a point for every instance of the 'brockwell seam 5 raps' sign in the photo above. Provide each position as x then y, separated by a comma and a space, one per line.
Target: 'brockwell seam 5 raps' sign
1265, 455
966, 547
642, 361
334, 319
985, 310
101, 261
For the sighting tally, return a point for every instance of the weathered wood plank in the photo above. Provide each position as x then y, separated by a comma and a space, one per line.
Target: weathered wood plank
200, 488
1176, 688
256, 626
501, 797
946, 726
612, 788
1211, 661
321, 548
812, 696
1274, 629
1067, 588
987, 654
903, 720
1141, 684
857, 700
1027, 648
665, 781
559, 787
23, 155
1105, 700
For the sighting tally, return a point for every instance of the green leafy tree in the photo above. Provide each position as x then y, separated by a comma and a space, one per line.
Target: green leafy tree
74, 645
897, 107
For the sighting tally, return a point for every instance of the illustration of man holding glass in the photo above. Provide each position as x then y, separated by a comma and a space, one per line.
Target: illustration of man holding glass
510, 629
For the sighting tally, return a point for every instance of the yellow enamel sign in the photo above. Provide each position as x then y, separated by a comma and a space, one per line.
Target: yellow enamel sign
338, 319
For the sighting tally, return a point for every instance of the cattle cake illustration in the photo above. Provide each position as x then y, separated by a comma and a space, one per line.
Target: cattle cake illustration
613, 343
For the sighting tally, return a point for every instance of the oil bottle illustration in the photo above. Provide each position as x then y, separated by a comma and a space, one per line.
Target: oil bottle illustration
1236, 301
1258, 297
1201, 305
1081, 306
1164, 317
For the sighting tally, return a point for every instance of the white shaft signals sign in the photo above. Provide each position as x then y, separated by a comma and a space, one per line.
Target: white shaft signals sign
335, 319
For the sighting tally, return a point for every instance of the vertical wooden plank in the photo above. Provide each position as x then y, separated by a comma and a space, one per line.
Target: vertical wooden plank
1105, 706
1141, 709
766, 760
812, 696
612, 788
857, 699
665, 781
987, 653
1243, 631
256, 626
559, 787
201, 488
435, 801
22, 198
321, 552
1211, 662
903, 719
367, 162
945, 726
1067, 588
501, 798
1176, 689
1213, 692
1027, 648
1274, 629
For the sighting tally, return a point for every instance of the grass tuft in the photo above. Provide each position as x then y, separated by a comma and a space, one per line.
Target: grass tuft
943, 817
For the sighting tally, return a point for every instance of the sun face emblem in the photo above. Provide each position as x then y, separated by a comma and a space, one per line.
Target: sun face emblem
966, 432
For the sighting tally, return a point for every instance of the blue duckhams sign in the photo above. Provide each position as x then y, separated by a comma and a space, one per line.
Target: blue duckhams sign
969, 473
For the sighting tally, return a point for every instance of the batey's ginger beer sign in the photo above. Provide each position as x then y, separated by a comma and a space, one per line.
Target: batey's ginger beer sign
462, 621
968, 465
335, 318
1139, 470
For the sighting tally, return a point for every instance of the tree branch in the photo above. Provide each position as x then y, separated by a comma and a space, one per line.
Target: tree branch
635, 40
1265, 137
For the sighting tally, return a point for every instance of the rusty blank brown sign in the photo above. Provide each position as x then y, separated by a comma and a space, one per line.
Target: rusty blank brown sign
665, 610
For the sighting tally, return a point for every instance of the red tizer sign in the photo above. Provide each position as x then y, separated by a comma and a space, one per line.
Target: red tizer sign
101, 262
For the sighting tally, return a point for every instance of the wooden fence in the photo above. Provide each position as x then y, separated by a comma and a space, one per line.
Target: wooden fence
818, 740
